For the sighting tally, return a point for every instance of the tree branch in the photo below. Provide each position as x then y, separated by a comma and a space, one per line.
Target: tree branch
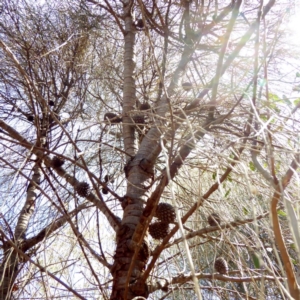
280, 187
114, 222
186, 278
41, 268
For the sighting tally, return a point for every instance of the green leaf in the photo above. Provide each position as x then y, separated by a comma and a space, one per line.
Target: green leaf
214, 176
245, 210
256, 261
264, 117
281, 213
274, 106
232, 156
227, 193
298, 74
296, 101
274, 97
294, 261
251, 166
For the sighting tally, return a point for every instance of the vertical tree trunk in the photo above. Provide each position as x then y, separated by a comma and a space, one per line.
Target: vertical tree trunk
137, 179
11, 262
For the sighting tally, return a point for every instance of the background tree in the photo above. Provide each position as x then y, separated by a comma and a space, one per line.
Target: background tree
147, 150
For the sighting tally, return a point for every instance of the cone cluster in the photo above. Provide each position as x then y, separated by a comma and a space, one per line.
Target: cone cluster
83, 189
165, 213
221, 265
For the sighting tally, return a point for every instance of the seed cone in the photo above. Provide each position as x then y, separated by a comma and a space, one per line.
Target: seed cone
214, 219
159, 230
139, 23
112, 118
30, 118
138, 119
104, 191
145, 106
57, 162
187, 86
165, 212
83, 189
221, 265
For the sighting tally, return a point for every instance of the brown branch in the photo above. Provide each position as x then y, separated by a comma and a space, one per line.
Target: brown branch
218, 75
41, 268
111, 11
227, 9
280, 187
10, 265
154, 199
51, 228
152, 202
225, 278
244, 39
259, 167
210, 229
181, 279
212, 189
62, 173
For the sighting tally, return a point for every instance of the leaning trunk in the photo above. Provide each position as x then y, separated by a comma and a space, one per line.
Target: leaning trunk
11, 263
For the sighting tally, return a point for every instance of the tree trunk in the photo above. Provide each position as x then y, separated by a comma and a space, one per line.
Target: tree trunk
11, 261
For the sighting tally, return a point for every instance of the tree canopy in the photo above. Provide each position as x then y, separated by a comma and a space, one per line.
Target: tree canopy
149, 150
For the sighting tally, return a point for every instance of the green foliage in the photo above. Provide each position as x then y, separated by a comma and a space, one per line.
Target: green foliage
256, 261
252, 166
281, 213
227, 193
245, 210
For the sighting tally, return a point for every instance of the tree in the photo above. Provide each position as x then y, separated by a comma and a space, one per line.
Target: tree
146, 150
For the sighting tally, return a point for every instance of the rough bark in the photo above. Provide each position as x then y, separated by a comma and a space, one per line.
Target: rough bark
139, 173
137, 180
132, 247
